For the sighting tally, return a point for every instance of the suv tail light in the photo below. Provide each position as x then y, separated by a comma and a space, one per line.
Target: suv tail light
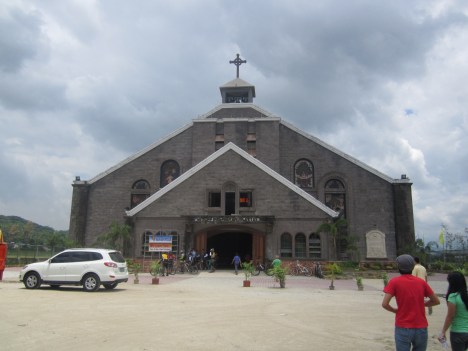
110, 264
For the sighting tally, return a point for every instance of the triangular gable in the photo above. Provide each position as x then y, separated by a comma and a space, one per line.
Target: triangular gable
344, 155
245, 155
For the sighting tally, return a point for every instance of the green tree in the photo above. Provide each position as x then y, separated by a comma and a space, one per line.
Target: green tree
55, 240
333, 229
13, 232
118, 237
28, 230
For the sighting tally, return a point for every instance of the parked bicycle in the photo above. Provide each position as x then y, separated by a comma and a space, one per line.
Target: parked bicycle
188, 267
299, 269
317, 270
263, 267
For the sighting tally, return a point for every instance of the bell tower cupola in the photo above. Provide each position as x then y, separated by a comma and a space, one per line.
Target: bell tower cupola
237, 90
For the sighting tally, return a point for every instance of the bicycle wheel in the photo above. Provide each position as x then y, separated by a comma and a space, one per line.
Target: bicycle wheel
193, 269
269, 271
256, 271
294, 271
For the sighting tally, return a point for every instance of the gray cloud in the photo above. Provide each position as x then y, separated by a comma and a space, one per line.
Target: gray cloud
20, 38
84, 85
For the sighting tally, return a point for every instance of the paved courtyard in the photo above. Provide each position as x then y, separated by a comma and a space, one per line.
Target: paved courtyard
209, 311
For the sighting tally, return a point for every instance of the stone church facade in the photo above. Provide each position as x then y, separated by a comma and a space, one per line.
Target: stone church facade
241, 180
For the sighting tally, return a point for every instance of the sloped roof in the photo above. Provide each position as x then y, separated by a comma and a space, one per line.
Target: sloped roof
244, 110
344, 155
231, 147
263, 115
236, 83
138, 154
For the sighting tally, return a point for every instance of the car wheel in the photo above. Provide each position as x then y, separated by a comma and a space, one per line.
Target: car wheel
110, 286
91, 282
32, 280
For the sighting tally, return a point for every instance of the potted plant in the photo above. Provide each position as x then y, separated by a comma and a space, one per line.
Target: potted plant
136, 268
359, 283
247, 268
334, 270
154, 271
279, 273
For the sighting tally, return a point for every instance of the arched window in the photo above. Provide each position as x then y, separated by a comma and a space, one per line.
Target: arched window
304, 173
300, 245
140, 192
315, 247
170, 170
286, 245
335, 196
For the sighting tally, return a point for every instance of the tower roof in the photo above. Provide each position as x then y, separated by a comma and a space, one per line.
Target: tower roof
237, 90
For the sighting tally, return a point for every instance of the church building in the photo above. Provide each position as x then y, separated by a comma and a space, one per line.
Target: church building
240, 179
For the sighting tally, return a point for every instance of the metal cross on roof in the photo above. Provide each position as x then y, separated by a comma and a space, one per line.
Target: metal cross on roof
238, 62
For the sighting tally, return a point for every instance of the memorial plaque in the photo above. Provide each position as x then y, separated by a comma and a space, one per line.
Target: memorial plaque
375, 243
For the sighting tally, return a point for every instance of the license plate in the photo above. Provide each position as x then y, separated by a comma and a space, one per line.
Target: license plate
121, 269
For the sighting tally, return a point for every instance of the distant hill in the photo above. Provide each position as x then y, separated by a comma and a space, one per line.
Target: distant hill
17, 229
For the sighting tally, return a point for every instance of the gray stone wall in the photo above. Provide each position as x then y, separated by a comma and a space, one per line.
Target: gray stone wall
79, 210
372, 203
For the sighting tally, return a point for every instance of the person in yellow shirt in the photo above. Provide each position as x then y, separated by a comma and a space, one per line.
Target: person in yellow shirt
420, 271
165, 262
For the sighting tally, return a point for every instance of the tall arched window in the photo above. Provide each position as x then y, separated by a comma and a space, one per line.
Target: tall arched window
300, 245
170, 170
304, 173
140, 192
335, 196
286, 245
315, 247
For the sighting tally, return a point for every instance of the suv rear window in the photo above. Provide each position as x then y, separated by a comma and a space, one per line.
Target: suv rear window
116, 257
84, 256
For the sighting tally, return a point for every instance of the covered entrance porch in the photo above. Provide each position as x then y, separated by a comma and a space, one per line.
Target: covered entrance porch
227, 241
228, 235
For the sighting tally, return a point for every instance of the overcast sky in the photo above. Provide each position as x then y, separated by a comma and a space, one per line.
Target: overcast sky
85, 84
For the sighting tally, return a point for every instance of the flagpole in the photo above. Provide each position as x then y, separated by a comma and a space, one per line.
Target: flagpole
442, 239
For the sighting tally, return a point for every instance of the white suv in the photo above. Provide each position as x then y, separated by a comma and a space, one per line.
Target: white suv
87, 267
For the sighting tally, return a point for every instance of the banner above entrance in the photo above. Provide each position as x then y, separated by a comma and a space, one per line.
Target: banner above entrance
232, 219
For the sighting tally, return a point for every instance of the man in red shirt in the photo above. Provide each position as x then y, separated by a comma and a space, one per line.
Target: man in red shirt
410, 293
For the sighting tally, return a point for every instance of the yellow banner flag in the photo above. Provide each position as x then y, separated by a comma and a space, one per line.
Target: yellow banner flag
1, 236
441, 237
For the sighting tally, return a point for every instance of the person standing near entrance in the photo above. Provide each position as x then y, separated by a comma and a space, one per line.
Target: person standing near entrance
165, 262
237, 262
213, 257
420, 271
410, 316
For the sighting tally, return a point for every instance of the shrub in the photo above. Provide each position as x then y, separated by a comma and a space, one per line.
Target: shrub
448, 266
385, 278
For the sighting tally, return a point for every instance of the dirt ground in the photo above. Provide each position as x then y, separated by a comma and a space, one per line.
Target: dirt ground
209, 311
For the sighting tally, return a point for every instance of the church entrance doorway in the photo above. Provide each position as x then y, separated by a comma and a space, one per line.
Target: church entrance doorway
227, 244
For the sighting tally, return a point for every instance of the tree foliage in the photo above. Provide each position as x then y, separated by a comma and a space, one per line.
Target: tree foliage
118, 237
334, 228
18, 231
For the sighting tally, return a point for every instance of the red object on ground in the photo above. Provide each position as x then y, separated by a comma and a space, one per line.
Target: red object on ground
3, 255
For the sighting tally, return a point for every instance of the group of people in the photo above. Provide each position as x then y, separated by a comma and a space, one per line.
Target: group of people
412, 294
207, 258
237, 262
